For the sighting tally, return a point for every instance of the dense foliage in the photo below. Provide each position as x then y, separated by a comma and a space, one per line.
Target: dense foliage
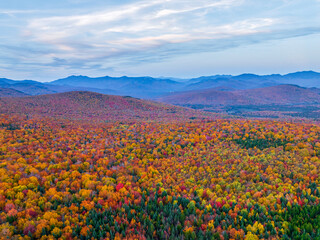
222, 179
96, 107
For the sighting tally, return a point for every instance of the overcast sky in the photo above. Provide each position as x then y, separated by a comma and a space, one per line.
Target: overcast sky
46, 40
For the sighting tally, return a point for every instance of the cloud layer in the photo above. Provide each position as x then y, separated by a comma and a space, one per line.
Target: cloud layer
119, 36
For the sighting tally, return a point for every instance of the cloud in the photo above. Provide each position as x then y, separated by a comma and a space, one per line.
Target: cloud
197, 7
15, 12
133, 33
135, 28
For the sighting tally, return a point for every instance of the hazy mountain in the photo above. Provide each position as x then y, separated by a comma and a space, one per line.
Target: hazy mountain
30, 87
148, 87
8, 92
278, 95
248, 81
234, 82
6, 80
303, 75
134, 86
205, 78
305, 79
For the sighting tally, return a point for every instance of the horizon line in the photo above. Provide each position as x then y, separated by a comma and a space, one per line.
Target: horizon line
163, 77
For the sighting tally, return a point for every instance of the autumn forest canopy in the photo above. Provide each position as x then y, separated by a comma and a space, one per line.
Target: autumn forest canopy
89, 166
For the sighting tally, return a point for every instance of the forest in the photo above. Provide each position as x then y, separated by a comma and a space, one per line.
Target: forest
197, 179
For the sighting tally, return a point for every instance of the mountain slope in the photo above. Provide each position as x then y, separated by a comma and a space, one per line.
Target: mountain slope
279, 95
305, 78
8, 92
6, 80
89, 105
30, 87
236, 83
134, 86
250, 81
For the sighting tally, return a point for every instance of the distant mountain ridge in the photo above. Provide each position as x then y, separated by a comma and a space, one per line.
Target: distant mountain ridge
145, 87
280, 101
30, 87
152, 88
148, 87
8, 92
285, 94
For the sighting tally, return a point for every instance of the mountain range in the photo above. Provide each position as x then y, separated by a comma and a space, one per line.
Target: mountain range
285, 94
296, 94
285, 100
152, 88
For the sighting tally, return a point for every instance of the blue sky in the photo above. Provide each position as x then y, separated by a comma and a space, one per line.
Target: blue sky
46, 40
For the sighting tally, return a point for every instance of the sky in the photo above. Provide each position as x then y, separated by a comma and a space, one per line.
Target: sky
47, 40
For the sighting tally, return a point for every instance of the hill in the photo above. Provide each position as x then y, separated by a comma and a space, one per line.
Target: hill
276, 101
8, 92
96, 106
281, 94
